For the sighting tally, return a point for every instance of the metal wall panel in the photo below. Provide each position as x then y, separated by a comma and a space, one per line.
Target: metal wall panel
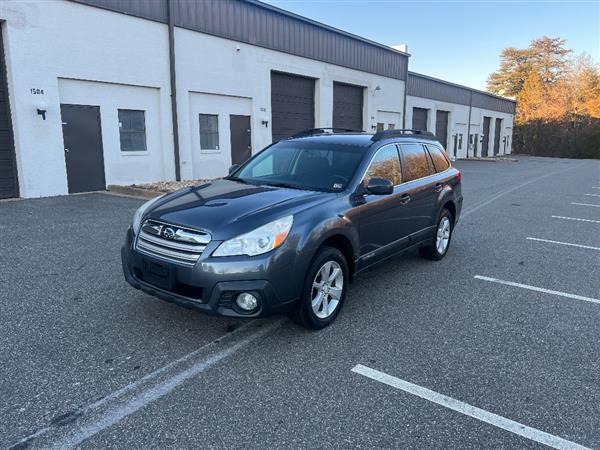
426, 87
481, 100
148, 9
263, 25
423, 86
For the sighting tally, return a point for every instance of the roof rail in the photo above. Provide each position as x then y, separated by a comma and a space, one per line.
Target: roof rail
386, 134
312, 131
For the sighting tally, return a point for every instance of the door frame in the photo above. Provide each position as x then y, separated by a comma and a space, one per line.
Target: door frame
101, 143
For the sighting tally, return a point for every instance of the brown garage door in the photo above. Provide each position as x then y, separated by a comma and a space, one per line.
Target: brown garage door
419, 119
347, 106
292, 104
441, 127
9, 186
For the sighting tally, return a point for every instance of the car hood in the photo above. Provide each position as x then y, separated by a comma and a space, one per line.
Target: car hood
227, 208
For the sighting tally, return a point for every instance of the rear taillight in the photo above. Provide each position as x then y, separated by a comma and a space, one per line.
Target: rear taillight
458, 176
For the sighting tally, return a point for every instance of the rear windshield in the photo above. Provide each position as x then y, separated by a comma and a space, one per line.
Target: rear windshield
303, 165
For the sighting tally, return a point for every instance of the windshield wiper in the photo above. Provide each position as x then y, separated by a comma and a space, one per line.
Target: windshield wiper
285, 185
241, 180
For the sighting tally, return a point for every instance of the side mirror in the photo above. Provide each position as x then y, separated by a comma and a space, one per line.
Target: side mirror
233, 168
379, 186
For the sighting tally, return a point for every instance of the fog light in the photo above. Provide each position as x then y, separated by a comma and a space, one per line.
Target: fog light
246, 301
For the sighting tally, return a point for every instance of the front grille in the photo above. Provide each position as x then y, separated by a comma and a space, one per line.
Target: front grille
171, 242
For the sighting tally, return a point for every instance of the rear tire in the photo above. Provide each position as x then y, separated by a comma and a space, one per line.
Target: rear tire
443, 236
324, 290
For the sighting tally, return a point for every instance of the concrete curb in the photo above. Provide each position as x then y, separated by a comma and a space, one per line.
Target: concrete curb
490, 159
133, 191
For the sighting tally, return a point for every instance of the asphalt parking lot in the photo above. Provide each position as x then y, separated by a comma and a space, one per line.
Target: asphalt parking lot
495, 346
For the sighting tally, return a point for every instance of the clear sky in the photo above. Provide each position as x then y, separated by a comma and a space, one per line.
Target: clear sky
458, 41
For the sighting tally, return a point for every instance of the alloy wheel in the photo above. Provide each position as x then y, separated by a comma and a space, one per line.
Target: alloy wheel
443, 235
327, 289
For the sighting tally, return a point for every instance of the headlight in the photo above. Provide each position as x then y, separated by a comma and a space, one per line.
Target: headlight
259, 241
137, 217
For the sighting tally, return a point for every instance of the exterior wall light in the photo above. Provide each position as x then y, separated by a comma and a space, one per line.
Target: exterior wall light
41, 107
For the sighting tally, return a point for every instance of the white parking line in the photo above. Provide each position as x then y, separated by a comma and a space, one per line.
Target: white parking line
592, 195
98, 416
585, 204
563, 243
576, 218
538, 289
468, 410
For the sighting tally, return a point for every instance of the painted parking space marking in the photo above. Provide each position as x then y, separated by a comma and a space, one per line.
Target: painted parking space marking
576, 219
468, 410
592, 195
589, 247
539, 289
110, 410
585, 204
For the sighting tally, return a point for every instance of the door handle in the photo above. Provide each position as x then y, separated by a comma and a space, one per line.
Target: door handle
404, 199
438, 187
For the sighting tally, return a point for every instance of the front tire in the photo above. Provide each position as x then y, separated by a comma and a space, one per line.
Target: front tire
324, 290
443, 236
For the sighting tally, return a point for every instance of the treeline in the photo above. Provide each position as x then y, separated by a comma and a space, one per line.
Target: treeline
558, 99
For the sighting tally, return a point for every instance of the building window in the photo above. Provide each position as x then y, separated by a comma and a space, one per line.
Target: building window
132, 130
209, 132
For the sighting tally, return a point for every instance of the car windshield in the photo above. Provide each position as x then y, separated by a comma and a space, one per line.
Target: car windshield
303, 165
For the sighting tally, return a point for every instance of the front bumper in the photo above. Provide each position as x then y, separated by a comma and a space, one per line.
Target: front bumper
212, 284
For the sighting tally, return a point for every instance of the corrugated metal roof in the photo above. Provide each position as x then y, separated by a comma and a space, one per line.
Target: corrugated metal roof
256, 23
419, 85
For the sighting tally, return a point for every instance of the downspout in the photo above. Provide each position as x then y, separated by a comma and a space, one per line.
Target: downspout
173, 88
469, 123
405, 93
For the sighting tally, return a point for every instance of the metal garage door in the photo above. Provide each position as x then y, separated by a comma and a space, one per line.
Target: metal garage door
485, 144
292, 104
441, 127
419, 119
348, 106
9, 186
497, 136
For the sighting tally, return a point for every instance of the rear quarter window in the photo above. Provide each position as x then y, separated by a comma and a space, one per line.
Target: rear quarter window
439, 159
415, 162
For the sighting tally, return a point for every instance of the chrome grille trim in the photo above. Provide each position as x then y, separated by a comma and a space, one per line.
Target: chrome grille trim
181, 245
172, 244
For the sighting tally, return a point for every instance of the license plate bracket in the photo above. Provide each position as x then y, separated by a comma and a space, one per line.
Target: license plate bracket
160, 275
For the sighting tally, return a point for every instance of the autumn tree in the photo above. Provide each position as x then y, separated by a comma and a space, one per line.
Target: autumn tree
547, 57
558, 98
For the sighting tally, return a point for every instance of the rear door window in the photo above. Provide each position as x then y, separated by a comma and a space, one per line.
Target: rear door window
439, 159
415, 162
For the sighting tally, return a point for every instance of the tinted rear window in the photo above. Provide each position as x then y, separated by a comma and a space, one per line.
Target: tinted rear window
439, 160
416, 163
